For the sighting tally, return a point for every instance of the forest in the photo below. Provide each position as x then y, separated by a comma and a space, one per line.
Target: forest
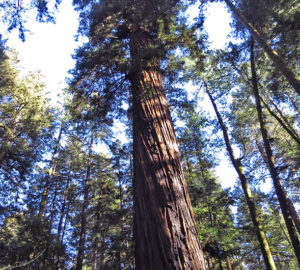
75, 196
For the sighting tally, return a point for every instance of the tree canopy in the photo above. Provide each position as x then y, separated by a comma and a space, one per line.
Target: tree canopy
75, 196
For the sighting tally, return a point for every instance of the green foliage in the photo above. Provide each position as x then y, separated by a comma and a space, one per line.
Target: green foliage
24, 240
14, 14
25, 125
211, 204
99, 91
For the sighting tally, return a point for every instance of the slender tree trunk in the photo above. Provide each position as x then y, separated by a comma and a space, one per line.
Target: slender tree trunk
50, 172
293, 102
165, 232
210, 264
282, 116
262, 239
228, 262
62, 214
281, 194
80, 252
52, 213
96, 241
118, 253
277, 60
289, 203
188, 163
290, 131
63, 207
282, 119
220, 263
283, 229
65, 225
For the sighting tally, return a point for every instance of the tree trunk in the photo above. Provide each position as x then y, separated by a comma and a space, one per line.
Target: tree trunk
289, 130
118, 253
85, 205
50, 172
289, 203
295, 105
96, 231
210, 263
165, 232
277, 60
228, 262
62, 214
65, 225
52, 213
282, 119
220, 263
96, 244
281, 194
262, 239
62, 211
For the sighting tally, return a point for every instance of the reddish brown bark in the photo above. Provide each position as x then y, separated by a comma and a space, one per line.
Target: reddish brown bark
165, 233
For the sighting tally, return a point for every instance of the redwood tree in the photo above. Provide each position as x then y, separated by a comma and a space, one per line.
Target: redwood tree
124, 52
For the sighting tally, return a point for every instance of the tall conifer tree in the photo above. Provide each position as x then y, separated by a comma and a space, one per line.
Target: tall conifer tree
124, 44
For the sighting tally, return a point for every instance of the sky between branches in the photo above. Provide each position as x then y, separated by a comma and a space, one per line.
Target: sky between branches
49, 48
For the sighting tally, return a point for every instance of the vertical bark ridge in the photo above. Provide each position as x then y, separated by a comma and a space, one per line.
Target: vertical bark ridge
165, 232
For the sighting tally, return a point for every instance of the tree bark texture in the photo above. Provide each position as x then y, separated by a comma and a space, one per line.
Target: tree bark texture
165, 233
262, 239
277, 60
280, 192
80, 253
